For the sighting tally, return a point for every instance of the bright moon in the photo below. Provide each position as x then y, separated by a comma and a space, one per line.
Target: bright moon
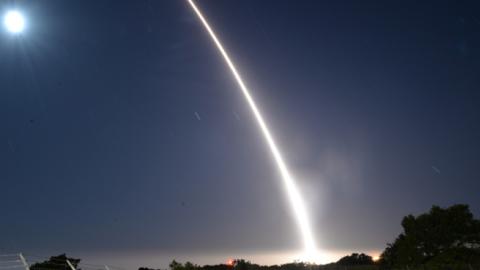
14, 21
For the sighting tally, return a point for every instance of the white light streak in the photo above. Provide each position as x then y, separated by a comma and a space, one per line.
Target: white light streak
292, 190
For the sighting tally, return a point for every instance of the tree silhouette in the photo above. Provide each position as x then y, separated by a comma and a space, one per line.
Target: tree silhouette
440, 237
174, 265
356, 259
56, 263
190, 266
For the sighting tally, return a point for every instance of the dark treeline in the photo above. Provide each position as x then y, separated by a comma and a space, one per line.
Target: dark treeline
443, 236
359, 260
60, 262
441, 239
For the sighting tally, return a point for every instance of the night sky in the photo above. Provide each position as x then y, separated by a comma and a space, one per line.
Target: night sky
124, 139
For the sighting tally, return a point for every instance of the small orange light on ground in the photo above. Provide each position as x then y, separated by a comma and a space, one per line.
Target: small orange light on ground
230, 262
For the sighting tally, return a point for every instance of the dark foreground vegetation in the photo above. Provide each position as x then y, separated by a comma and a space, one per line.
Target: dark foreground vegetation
448, 236
443, 239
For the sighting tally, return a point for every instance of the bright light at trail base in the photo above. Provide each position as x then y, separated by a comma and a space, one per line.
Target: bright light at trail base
14, 22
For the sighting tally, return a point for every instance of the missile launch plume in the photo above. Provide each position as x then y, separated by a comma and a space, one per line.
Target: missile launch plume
291, 188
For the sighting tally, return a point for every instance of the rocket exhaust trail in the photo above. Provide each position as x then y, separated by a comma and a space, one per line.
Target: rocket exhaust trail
294, 197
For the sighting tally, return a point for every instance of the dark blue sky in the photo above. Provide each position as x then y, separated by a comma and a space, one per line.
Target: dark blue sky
123, 132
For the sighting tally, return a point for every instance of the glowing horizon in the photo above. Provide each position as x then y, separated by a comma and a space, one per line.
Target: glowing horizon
161, 258
297, 204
